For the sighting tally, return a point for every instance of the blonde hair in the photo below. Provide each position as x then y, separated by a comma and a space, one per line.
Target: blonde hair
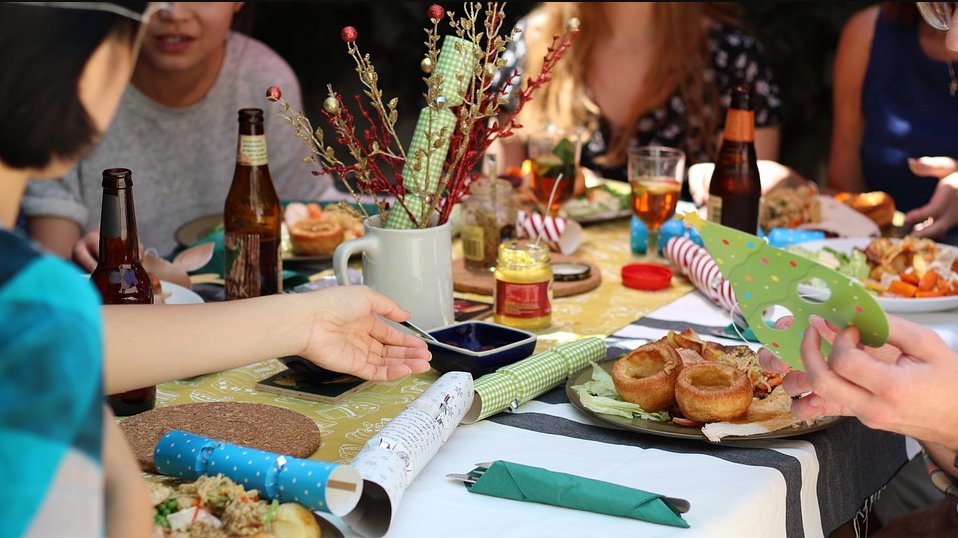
680, 53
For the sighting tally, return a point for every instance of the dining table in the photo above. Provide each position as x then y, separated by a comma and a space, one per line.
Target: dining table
806, 485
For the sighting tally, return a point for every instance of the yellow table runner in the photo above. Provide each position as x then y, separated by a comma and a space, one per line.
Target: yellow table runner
347, 425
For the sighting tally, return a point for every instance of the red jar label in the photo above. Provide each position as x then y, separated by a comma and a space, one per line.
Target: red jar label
522, 300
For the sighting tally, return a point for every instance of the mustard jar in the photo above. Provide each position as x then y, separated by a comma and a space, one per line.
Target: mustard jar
488, 218
523, 292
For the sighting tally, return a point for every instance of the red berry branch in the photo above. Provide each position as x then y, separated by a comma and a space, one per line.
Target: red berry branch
377, 157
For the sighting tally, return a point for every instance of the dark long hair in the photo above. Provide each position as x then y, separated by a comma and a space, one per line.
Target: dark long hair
43, 51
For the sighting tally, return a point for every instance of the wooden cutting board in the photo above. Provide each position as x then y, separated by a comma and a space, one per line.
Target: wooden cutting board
260, 426
484, 282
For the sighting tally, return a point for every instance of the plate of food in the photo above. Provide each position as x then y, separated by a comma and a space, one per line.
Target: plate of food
603, 200
218, 506
311, 231
682, 386
907, 275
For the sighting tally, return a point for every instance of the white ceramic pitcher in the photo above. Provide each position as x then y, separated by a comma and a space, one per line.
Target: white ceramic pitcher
412, 267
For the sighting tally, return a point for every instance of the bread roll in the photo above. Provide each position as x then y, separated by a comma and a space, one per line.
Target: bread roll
712, 392
313, 237
876, 205
647, 376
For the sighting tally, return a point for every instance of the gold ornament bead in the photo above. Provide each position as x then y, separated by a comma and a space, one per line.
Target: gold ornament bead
573, 24
426, 65
490, 69
331, 105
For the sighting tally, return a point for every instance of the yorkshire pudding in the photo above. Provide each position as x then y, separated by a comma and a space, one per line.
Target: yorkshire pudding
315, 237
647, 376
712, 392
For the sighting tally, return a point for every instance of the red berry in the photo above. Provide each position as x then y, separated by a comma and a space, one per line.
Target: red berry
348, 34
273, 93
436, 11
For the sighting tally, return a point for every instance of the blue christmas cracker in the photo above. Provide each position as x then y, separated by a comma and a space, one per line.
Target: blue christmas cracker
285, 478
763, 276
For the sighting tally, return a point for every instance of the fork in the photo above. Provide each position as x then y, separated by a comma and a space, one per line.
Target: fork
677, 505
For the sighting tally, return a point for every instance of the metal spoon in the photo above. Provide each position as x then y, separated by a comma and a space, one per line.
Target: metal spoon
417, 330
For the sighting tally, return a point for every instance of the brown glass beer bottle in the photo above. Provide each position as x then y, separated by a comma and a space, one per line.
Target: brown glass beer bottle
735, 189
251, 216
119, 275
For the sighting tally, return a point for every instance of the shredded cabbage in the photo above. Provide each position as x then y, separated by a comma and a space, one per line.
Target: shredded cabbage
599, 395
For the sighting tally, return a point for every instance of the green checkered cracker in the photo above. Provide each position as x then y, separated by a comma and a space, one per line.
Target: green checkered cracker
516, 384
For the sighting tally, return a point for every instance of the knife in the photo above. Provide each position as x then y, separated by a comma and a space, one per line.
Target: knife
726, 331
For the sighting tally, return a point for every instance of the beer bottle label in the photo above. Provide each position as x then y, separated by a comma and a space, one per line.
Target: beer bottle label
243, 276
714, 206
251, 150
472, 243
740, 126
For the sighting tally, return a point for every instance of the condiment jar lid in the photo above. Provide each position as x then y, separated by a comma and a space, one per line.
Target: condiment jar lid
646, 276
568, 272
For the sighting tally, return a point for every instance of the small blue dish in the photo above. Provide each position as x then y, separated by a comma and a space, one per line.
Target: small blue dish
478, 347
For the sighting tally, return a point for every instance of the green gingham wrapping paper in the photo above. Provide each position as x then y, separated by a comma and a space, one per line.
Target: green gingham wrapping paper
398, 219
456, 68
522, 381
427, 177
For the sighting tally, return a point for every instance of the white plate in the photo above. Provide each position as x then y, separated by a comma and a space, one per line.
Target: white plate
889, 304
179, 295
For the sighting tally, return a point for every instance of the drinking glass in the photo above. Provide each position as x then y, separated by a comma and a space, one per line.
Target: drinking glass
655, 175
554, 154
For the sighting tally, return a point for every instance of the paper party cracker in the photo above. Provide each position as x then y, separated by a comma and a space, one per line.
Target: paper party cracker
763, 276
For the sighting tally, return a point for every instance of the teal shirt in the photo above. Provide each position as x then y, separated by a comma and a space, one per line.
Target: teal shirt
51, 403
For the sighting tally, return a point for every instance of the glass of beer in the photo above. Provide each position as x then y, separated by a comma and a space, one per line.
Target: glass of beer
554, 155
655, 175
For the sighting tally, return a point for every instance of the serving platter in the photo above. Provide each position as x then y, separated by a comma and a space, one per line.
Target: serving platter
671, 429
889, 304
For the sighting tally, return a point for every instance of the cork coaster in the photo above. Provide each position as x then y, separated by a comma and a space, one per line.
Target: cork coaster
264, 427
483, 282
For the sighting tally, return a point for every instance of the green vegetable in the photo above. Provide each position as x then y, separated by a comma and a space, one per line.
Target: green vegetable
599, 395
854, 265
162, 510
271, 512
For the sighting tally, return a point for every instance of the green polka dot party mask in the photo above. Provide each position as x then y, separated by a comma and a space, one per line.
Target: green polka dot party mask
763, 276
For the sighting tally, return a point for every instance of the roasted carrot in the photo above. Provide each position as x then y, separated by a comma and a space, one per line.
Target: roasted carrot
925, 294
928, 281
903, 289
910, 278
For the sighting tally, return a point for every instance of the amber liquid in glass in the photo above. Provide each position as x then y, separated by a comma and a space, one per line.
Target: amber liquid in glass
119, 276
545, 173
654, 200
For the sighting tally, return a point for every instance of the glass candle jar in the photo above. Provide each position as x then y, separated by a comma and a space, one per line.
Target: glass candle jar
488, 218
523, 293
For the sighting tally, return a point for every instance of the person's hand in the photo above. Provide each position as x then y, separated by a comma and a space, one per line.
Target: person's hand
906, 386
935, 218
346, 335
937, 167
87, 250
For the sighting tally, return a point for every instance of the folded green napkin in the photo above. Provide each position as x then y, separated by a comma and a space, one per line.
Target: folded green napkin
534, 484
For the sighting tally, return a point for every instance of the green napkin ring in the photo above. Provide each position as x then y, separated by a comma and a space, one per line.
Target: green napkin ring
534, 484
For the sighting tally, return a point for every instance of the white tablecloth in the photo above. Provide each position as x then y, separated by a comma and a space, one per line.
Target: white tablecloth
790, 487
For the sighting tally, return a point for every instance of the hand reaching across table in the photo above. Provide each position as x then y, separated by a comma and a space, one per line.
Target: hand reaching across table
906, 386
940, 214
348, 336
